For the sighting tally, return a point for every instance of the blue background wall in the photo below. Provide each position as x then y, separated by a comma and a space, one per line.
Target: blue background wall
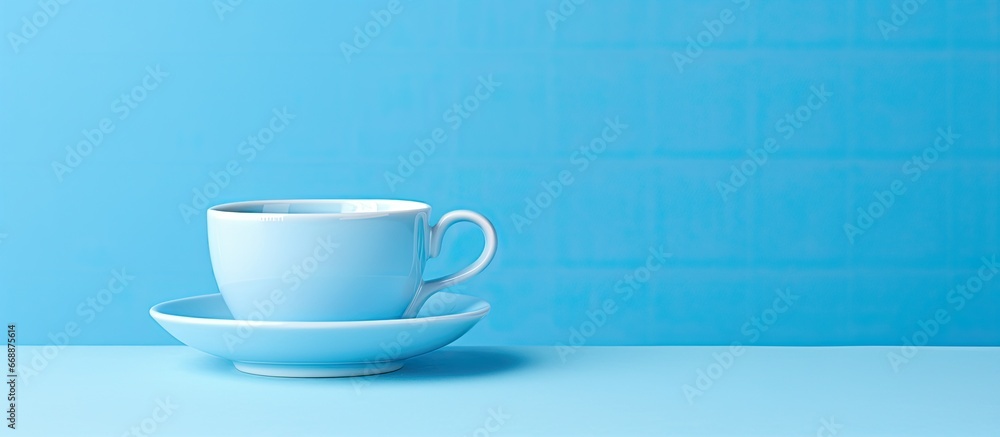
560, 77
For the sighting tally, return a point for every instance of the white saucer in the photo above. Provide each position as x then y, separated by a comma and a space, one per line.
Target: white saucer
318, 349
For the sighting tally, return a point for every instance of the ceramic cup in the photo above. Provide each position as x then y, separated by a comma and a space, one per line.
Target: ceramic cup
331, 260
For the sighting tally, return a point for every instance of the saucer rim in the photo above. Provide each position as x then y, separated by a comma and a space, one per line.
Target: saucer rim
156, 313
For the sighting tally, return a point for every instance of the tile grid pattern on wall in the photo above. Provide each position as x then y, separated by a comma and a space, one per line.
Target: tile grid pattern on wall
595, 107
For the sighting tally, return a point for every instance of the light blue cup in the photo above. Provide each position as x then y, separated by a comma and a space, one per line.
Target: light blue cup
331, 260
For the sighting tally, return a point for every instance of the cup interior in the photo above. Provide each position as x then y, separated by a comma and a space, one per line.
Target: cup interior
326, 206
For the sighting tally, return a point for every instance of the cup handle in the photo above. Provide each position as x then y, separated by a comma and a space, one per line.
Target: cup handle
428, 288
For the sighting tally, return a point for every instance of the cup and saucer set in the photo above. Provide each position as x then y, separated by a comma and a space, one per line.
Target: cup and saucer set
326, 288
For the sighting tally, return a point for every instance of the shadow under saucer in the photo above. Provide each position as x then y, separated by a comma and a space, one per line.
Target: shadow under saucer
447, 363
459, 362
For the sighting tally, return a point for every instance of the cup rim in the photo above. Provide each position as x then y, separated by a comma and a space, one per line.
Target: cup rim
396, 206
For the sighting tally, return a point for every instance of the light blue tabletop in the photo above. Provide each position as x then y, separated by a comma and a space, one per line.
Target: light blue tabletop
506, 391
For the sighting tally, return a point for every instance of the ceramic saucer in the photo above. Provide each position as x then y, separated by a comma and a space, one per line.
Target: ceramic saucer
318, 349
